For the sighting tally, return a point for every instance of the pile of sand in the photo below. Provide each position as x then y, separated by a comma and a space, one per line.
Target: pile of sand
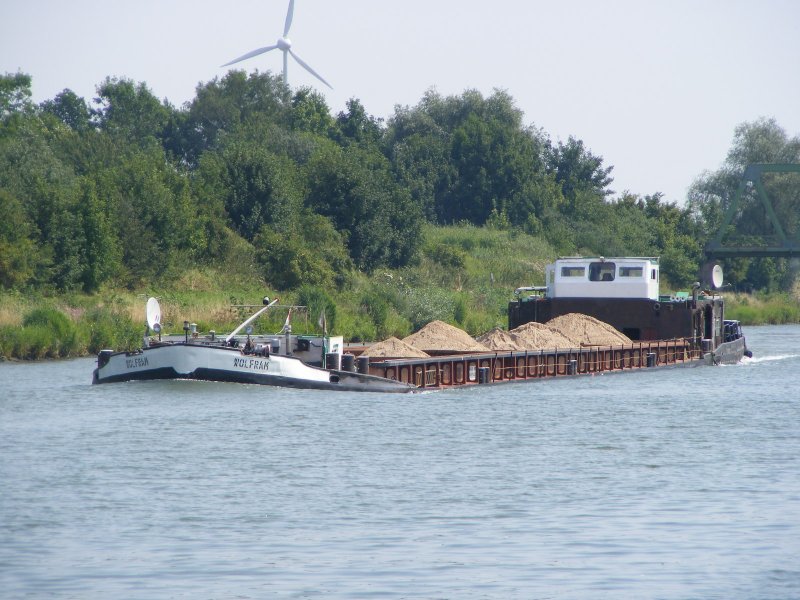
567, 331
394, 348
537, 336
586, 330
438, 336
499, 339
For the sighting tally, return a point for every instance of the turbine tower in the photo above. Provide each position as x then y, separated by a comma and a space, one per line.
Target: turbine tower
283, 44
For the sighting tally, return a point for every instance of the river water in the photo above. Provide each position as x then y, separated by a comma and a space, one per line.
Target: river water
678, 483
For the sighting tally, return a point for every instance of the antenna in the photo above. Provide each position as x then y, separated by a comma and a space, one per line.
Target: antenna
284, 44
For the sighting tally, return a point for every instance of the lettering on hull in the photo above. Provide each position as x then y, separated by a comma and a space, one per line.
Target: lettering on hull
251, 363
136, 362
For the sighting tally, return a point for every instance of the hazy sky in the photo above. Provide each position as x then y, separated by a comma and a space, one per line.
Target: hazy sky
655, 88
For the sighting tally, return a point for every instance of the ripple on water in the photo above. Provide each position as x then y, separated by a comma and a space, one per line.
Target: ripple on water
680, 484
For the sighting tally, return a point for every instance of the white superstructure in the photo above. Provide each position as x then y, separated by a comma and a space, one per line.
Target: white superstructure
600, 277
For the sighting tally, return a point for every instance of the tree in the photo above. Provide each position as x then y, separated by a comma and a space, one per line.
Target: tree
310, 113
712, 194
577, 170
356, 190
101, 250
308, 251
257, 187
466, 156
15, 95
130, 110
357, 126
17, 250
70, 109
762, 141
32, 172
152, 213
226, 105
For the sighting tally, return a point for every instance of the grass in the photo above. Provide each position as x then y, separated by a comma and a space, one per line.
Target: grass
763, 309
464, 276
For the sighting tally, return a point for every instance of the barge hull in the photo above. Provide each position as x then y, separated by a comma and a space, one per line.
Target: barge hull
444, 372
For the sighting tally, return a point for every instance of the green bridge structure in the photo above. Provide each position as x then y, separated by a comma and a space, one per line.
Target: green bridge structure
777, 245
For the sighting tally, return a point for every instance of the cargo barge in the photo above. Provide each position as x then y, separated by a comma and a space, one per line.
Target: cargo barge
688, 329
685, 329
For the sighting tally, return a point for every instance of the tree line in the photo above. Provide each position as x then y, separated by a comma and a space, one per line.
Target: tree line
127, 189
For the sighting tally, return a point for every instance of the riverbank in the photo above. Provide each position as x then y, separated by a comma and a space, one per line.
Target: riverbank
763, 309
76, 325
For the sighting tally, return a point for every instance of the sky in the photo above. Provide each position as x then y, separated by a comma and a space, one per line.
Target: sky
656, 88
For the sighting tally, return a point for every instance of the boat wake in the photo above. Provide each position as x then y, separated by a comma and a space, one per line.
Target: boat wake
763, 359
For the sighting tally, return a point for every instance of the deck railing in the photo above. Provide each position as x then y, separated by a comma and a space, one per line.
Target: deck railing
468, 369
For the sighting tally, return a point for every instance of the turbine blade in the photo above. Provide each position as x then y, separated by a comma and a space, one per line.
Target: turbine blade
251, 54
309, 69
289, 15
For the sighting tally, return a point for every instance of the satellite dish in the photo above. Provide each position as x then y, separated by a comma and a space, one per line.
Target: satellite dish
711, 275
153, 315
716, 277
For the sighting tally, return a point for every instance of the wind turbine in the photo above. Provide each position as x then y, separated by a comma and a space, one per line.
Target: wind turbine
283, 44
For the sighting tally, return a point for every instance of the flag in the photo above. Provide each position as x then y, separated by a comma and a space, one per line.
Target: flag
322, 322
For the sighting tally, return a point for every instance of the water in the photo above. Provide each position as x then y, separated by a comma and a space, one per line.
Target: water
683, 483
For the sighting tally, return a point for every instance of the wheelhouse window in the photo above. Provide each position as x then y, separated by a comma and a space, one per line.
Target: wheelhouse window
573, 271
631, 272
602, 271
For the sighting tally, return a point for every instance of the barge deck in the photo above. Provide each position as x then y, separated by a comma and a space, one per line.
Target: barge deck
442, 372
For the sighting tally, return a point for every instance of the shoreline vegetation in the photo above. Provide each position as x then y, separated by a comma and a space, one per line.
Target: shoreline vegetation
464, 277
82, 326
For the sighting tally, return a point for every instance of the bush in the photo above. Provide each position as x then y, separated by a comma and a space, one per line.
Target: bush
37, 342
376, 306
357, 328
109, 329
48, 332
460, 310
9, 335
447, 256
428, 304
318, 300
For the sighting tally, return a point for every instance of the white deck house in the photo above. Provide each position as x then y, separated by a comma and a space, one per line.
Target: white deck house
599, 277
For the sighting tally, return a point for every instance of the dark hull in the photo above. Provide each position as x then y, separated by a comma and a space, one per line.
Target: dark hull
639, 319
727, 353
348, 382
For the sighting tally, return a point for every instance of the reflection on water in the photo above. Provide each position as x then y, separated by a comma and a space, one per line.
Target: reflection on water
683, 483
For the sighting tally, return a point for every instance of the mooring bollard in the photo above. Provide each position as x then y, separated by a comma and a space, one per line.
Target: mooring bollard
333, 360
572, 367
362, 365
